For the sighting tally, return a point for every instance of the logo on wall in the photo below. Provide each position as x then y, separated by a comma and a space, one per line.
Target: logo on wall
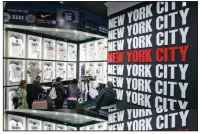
30, 18
69, 16
46, 18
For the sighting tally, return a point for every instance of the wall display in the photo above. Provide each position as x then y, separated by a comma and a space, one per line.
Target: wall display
83, 52
98, 50
72, 52
48, 71
89, 69
90, 51
61, 127
101, 126
15, 72
61, 70
153, 64
71, 70
98, 71
10, 98
4, 72
34, 47
82, 69
16, 122
83, 128
34, 124
46, 19
61, 50
16, 45
48, 126
105, 49
34, 69
105, 76
70, 128
49, 49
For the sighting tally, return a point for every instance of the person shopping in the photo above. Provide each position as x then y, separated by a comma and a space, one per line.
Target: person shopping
73, 93
21, 93
106, 97
59, 88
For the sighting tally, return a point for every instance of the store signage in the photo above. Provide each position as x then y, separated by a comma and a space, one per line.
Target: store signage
19, 16
46, 18
152, 62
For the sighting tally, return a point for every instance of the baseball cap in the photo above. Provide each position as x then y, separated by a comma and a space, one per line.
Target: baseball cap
58, 79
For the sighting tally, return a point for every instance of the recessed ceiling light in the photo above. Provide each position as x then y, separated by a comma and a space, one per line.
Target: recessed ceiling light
184, 4
34, 28
61, 2
56, 30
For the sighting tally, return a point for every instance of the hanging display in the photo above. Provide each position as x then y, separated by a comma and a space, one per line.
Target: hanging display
61, 70
72, 52
71, 70
34, 124
16, 45
34, 47
15, 72
48, 126
61, 50
11, 97
90, 51
34, 69
48, 71
61, 127
49, 49
16, 122
83, 52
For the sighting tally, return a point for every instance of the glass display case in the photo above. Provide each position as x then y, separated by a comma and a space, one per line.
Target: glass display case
61, 70
34, 69
48, 126
34, 47
11, 93
72, 52
61, 50
16, 45
83, 52
49, 49
71, 70
90, 51
34, 124
16, 122
48, 71
61, 127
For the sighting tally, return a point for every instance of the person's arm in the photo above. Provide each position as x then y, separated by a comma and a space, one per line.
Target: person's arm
40, 89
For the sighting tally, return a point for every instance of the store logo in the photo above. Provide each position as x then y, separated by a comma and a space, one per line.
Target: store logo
30, 19
7, 17
44, 16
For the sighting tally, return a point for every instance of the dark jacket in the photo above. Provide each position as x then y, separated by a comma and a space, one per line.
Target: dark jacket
73, 90
60, 89
36, 90
105, 98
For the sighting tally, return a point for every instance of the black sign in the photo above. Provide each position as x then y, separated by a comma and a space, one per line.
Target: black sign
152, 62
19, 17
46, 19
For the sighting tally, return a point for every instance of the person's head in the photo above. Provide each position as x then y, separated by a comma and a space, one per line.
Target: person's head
109, 84
22, 84
38, 78
74, 81
58, 79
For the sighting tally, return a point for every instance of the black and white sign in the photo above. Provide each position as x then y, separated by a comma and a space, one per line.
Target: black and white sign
152, 62
46, 18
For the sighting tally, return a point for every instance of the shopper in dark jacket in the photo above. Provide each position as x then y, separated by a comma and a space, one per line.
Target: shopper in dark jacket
106, 97
59, 88
73, 92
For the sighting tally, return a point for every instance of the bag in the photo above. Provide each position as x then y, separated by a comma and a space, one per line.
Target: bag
40, 103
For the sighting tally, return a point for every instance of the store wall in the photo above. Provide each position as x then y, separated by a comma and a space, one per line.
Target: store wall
152, 62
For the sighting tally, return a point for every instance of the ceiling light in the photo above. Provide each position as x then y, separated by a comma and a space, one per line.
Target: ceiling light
56, 30
87, 34
34, 28
76, 32
57, 113
61, 2
184, 4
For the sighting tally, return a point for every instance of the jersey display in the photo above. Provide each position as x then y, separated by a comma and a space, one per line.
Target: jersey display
72, 52
82, 69
90, 51
34, 47
92, 89
99, 51
99, 72
16, 47
48, 126
90, 69
15, 72
71, 70
60, 71
83, 52
34, 71
61, 127
48, 72
101, 126
70, 128
105, 66
49, 49
15, 125
105, 49
34, 124
61, 50
12, 93
90, 128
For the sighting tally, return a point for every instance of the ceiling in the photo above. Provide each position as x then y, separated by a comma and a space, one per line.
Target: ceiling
71, 35
96, 7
